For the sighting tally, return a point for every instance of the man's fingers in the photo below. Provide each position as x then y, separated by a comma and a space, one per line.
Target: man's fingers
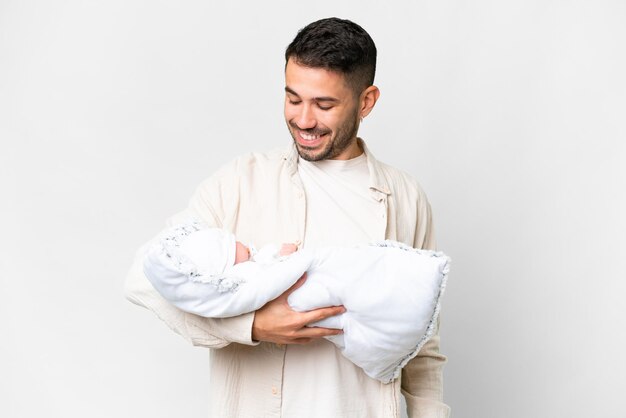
306, 335
318, 332
322, 313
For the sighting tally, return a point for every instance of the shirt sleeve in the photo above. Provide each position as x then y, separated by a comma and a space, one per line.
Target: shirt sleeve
199, 331
422, 377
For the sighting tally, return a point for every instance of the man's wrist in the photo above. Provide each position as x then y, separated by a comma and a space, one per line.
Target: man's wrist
253, 334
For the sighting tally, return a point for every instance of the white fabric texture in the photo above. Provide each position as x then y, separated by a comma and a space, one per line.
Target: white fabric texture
340, 188
391, 291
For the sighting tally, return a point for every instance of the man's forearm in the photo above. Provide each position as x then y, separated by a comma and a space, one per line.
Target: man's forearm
206, 332
422, 382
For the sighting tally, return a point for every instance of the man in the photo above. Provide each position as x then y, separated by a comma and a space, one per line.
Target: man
326, 189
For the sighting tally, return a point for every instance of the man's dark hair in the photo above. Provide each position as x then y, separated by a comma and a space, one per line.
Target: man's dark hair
337, 45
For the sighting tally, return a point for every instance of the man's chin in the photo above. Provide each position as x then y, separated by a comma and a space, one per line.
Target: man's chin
303, 151
308, 154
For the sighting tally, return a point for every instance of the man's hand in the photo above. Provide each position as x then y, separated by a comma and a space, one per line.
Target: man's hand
276, 322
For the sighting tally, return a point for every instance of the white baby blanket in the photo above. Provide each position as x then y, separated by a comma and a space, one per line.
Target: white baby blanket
391, 291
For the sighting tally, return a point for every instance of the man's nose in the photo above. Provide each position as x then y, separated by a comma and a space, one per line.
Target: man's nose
306, 118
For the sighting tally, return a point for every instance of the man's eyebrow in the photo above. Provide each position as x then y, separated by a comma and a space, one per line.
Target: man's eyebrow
326, 99
317, 99
290, 91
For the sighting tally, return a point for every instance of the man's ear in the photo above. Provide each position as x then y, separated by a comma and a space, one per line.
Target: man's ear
368, 100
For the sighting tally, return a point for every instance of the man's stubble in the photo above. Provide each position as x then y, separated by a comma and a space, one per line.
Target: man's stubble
344, 137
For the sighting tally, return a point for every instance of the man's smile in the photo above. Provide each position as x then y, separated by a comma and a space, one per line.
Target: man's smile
309, 138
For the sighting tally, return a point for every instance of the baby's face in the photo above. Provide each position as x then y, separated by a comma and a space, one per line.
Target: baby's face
242, 253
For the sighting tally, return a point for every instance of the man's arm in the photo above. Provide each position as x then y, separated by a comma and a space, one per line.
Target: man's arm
422, 382
208, 205
422, 377
274, 322
206, 332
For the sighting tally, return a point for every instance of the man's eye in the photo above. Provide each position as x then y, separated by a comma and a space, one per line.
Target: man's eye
294, 102
324, 107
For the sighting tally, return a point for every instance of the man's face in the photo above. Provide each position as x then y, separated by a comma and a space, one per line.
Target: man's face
322, 113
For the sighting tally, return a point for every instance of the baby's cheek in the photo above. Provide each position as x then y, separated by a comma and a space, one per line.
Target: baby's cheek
287, 249
241, 253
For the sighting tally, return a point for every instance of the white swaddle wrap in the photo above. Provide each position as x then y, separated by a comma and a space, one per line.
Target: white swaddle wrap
391, 291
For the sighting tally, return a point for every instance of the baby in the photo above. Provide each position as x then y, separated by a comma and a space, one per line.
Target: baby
391, 291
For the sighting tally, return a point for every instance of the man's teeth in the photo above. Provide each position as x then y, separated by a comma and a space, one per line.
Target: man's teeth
309, 137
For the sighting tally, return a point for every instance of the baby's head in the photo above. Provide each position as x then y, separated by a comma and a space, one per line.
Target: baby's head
224, 251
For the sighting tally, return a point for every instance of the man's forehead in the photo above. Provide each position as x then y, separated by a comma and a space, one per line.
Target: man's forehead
314, 82
289, 90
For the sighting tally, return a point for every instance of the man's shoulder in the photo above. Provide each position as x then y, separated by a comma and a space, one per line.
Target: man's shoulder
399, 181
251, 162
250, 176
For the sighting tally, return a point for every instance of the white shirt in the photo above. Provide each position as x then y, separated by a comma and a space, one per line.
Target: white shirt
261, 199
340, 208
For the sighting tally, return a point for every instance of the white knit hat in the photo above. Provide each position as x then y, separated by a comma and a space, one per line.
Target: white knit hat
212, 250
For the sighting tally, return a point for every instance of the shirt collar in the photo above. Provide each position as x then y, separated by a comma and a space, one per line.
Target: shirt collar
377, 178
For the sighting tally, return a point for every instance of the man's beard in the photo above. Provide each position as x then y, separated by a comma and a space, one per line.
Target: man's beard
344, 136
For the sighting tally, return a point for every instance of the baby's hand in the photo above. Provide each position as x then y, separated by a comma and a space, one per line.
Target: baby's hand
287, 249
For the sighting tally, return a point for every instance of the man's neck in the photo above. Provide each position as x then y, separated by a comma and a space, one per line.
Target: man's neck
352, 151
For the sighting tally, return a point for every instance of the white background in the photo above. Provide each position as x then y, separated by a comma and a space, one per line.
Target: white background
511, 115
